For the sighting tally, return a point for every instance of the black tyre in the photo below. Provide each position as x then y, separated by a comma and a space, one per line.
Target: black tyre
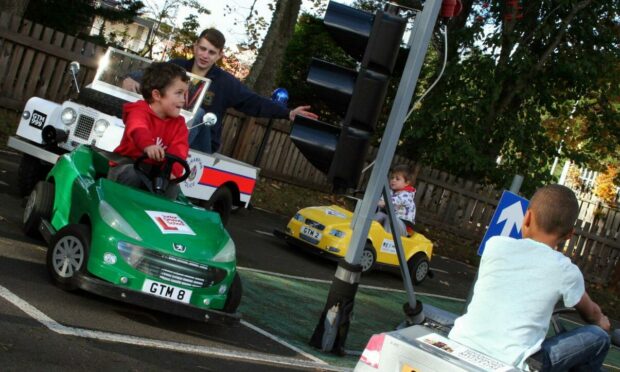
31, 170
101, 101
369, 258
39, 206
68, 255
220, 202
418, 268
234, 295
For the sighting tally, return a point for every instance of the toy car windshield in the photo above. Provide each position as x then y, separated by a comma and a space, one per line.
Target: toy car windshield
116, 65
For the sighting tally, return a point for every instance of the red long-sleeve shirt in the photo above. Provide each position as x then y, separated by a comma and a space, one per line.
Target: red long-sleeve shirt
144, 128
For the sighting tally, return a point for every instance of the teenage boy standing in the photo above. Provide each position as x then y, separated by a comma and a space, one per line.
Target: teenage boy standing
225, 92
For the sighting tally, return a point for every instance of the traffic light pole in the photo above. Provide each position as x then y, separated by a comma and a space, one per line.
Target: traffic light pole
331, 331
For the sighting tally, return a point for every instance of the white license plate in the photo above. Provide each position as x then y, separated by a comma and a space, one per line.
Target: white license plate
311, 232
167, 291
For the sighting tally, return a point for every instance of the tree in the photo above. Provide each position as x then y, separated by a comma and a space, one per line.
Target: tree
164, 15
183, 39
605, 187
264, 70
76, 17
511, 66
309, 40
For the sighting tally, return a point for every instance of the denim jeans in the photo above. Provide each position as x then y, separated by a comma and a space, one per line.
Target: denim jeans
581, 349
199, 134
127, 175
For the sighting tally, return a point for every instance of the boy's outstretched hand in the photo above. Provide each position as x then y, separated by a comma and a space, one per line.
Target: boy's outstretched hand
155, 152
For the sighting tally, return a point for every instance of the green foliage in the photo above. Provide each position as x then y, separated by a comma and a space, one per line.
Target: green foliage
185, 37
310, 40
517, 83
512, 71
164, 13
76, 17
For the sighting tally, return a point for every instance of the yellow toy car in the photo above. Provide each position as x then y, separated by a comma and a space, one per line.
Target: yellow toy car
327, 229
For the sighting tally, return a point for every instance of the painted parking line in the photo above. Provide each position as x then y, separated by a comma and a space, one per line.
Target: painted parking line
323, 281
33, 312
264, 232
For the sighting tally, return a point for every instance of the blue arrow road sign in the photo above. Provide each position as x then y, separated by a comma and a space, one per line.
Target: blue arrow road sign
507, 218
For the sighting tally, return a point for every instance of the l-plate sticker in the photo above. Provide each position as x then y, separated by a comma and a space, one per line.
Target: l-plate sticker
37, 119
170, 223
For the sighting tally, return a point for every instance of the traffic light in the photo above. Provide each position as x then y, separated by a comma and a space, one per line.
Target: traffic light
358, 95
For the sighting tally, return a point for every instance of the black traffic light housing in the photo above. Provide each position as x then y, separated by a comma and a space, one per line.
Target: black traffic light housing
339, 151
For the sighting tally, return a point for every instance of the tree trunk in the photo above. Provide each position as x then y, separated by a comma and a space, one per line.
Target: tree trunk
17, 7
265, 68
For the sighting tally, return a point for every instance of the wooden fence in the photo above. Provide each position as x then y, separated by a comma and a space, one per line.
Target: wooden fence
34, 60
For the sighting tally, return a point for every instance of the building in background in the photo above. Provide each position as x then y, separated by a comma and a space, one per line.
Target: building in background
132, 37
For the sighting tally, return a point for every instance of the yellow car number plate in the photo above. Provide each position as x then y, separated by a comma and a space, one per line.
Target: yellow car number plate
312, 233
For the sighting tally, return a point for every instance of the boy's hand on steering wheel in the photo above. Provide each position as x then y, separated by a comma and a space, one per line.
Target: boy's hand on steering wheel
155, 152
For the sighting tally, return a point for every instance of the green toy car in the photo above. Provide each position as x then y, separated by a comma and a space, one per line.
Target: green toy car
133, 245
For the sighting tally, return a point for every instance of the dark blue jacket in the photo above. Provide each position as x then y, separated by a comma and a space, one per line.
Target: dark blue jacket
225, 92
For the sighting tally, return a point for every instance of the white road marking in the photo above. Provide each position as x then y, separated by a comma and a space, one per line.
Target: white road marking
263, 232
361, 285
439, 270
281, 341
56, 327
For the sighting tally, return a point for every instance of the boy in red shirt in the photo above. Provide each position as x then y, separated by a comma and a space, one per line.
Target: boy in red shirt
154, 126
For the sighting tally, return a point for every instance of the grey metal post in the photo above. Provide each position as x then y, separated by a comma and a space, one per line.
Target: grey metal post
517, 181
418, 42
396, 234
346, 278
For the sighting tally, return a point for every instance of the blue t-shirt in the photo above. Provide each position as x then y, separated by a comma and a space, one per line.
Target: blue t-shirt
519, 283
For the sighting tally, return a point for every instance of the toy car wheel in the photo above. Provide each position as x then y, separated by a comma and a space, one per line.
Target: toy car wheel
418, 268
369, 257
39, 206
220, 202
31, 170
68, 255
234, 295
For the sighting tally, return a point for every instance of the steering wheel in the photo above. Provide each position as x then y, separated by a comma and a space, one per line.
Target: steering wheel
157, 179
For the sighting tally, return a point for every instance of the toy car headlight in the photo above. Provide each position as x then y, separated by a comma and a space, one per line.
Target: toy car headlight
68, 116
227, 254
100, 126
337, 233
26, 115
131, 253
299, 217
113, 219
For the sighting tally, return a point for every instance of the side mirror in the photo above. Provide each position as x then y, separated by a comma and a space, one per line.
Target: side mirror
74, 68
210, 119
